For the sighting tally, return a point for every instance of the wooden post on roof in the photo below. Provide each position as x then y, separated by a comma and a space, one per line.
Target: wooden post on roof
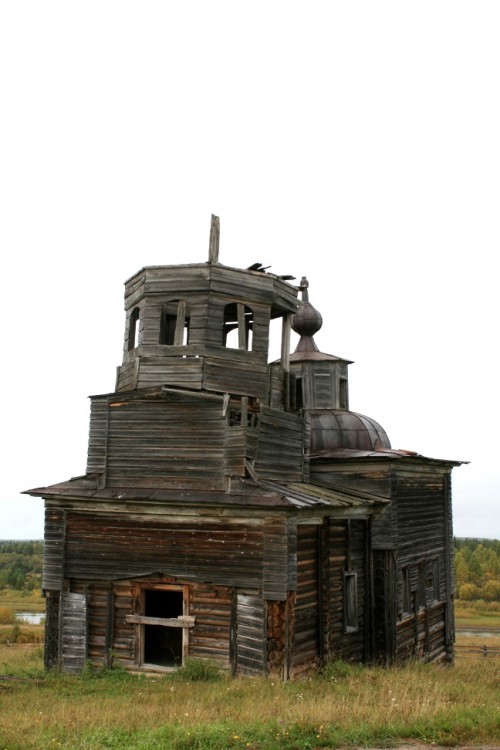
213, 247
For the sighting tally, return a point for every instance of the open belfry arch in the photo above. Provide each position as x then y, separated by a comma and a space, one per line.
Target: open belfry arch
235, 509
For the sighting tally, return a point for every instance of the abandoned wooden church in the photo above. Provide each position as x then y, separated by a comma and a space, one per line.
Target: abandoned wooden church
236, 510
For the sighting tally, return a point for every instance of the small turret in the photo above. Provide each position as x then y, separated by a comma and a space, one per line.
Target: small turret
321, 380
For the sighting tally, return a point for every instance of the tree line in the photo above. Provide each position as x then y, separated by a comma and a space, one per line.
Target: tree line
21, 565
477, 567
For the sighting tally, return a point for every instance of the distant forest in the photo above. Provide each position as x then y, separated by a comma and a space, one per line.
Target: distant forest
21, 565
477, 567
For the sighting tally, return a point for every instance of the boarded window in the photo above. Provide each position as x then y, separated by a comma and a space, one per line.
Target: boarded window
350, 601
237, 328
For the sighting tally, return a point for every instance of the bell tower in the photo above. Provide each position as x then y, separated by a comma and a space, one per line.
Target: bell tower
203, 326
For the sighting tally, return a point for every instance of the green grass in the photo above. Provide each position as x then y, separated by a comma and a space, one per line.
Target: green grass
203, 709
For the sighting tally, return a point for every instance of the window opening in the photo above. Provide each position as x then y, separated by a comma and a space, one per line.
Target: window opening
433, 582
299, 396
275, 339
406, 590
237, 330
350, 601
343, 403
163, 645
133, 331
421, 602
174, 324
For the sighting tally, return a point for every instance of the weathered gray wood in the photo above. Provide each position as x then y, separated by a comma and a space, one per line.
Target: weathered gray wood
213, 249
73, 650
183, 621
251, 657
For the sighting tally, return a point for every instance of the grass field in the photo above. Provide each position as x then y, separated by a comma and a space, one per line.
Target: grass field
198, 710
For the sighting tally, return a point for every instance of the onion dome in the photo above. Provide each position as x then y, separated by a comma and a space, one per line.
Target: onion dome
306, 322
334, 429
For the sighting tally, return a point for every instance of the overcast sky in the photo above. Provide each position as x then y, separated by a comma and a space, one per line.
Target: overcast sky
356, 143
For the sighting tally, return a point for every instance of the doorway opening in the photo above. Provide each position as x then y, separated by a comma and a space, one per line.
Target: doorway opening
163, 644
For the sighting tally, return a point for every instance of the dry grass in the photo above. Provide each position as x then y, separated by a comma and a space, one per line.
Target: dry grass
349, 706
31, 601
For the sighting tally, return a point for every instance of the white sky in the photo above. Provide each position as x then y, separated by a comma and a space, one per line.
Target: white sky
353, 142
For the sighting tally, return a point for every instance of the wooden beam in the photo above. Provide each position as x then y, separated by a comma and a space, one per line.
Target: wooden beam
213, 247
183, 621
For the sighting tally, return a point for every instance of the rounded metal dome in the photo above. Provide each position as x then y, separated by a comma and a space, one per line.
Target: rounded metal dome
332, 429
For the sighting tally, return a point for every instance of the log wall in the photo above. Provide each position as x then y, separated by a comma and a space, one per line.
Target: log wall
241, 552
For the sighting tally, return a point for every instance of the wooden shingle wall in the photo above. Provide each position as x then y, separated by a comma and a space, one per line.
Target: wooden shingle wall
176, 442
280, 447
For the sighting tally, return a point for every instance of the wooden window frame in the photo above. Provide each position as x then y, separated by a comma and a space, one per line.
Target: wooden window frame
174, 325
133, 331
244, 324
184, 621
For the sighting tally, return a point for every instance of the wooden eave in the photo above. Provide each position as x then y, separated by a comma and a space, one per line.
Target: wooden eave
211, 275
260, 494
376, 457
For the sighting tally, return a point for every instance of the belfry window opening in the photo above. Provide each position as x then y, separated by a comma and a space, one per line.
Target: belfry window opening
133, 332
237, 329
174, 324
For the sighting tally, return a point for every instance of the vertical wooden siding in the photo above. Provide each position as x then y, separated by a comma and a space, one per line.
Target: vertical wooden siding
53, 549
347, 551
251, 654
74, 623
306, 628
